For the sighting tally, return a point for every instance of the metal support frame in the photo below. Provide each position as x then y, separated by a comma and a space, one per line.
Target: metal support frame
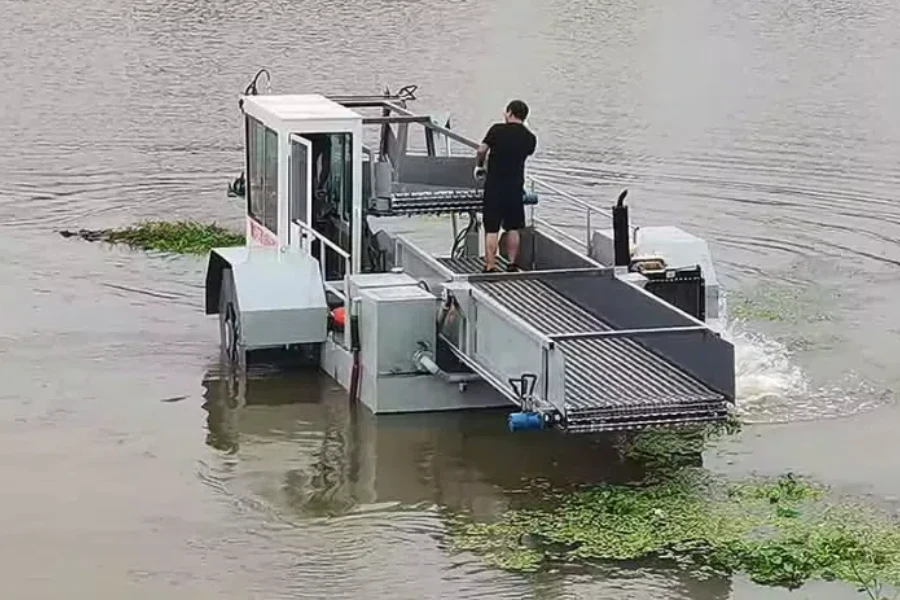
343, 294
392, 113
475, 301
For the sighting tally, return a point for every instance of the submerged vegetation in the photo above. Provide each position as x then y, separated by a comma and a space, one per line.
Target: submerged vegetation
780, 532
182, 237
780, 303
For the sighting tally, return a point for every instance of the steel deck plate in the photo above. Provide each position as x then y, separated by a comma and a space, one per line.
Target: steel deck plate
610, 383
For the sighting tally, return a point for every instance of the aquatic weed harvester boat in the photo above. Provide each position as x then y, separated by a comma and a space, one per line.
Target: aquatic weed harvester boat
606, 331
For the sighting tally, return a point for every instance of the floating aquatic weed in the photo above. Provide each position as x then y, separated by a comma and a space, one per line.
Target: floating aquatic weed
778, 303
664, 451
182, 237
782, 532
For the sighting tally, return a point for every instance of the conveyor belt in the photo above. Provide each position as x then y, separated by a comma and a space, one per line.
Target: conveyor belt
610, 383
412, 199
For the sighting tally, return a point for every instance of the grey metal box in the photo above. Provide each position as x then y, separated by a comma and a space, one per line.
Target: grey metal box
393, 321
280, 297
364, 281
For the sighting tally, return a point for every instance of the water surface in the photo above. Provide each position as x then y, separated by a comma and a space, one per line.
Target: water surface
132, 467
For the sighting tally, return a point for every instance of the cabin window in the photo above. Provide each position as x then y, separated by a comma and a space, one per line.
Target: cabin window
262, 174
342, 173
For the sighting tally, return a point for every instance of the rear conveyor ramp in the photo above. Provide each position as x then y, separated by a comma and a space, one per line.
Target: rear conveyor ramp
656, 366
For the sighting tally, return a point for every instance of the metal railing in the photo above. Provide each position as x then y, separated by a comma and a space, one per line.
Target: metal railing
402, 115
537, 183
306, 232
625, 333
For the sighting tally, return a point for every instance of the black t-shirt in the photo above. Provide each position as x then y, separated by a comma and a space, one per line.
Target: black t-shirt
510, 144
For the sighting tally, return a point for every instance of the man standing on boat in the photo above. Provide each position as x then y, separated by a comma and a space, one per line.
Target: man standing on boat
509, 143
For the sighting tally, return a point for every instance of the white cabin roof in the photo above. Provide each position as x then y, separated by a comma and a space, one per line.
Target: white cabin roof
301, 107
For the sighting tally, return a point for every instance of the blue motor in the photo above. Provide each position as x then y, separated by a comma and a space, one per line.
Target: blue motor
525, 421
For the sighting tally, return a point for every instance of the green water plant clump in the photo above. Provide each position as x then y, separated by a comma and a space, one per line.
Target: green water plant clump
780, 303
182, 237
779, 532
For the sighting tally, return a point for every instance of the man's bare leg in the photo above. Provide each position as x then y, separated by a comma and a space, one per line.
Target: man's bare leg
512, 246
490, 250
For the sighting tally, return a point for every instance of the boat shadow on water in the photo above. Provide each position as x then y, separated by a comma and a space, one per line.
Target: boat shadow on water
404, 458
303, 449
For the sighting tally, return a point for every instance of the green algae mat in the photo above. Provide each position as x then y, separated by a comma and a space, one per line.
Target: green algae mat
180, 237
779, 532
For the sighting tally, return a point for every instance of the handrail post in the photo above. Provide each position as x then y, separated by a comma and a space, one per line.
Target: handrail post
545, 374
587, 242
347, 299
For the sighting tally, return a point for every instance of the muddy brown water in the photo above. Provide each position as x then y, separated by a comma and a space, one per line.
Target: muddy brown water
131, 467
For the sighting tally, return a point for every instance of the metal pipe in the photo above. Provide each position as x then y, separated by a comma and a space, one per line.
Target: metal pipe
567, 195
434, 126
331, 287
557, 230
485, 374
545, 374
398, 120
607, 272
308, 230
423, 360
620, 232
589, 234
364, 101
617, 333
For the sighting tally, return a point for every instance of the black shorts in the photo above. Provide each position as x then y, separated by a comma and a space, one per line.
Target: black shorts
504, 205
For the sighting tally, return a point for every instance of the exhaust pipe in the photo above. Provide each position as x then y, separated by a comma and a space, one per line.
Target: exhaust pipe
620, 232
425, 361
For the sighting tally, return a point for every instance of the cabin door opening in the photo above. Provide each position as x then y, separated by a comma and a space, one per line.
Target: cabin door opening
332, 195
299, 194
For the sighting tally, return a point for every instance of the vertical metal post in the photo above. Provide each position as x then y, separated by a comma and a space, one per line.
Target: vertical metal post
447, 138
587, 242
347, 298
429, 142
545, 374
472, 324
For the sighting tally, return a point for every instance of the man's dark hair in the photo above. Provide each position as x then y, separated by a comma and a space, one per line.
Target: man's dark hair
518, 109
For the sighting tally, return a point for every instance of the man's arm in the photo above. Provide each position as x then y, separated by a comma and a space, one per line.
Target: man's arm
533, 145
485, 147
481, 155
